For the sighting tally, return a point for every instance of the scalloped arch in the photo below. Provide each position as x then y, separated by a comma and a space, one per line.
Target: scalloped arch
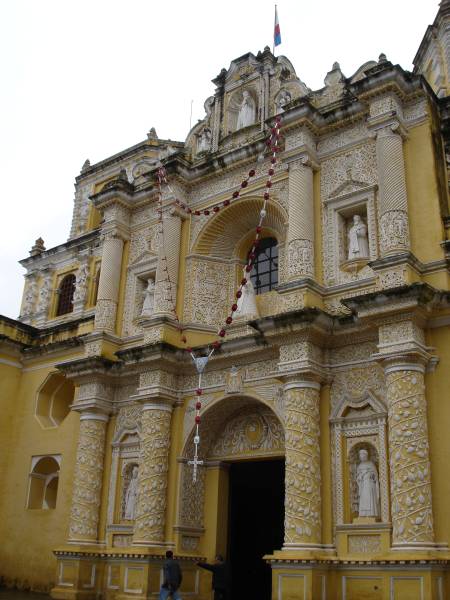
221, 235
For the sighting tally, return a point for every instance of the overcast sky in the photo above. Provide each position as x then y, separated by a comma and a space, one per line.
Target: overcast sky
88, 78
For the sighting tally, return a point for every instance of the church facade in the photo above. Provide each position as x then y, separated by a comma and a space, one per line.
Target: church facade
313, 450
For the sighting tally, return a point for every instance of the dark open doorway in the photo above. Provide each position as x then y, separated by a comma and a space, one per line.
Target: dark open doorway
256, 525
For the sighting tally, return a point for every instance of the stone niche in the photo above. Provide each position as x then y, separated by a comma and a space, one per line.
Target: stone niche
351, 199
125, 459
360, 424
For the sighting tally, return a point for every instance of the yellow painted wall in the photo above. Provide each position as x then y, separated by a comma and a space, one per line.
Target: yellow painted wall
29, 536
423, 198
438, 399
9, 384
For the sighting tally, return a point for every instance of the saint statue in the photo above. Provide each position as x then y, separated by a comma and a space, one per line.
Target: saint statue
234, 381
204, 140
149, 298
81, 283
368, 487
358, 244
247, 111
246, 304
44, 294
130, 496
283, 99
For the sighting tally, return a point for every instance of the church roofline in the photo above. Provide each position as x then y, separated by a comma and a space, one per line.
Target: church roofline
127, 153
75, 242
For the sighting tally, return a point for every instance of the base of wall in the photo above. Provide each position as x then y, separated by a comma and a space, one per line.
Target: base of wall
128, 573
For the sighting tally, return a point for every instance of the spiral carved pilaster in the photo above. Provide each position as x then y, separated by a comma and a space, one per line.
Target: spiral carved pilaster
302, 481
87, 484
412, 516
301, 221
154, 465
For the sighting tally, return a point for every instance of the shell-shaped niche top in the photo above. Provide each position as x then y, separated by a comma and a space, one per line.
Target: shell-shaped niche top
251, 90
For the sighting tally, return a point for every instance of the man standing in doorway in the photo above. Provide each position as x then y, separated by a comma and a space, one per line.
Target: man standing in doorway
172, 578
220, 578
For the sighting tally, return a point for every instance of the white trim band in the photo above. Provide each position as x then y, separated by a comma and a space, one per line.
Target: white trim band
157, 406
405, 367
314, 385
94, 417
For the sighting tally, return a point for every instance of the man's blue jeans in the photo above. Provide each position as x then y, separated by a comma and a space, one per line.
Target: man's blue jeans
164, 593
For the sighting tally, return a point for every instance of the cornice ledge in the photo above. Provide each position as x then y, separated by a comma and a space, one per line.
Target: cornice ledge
88, 366
292, 321
161, 351
395, 299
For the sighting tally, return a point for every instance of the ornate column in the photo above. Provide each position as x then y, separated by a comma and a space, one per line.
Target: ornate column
300, 238
87, 481
168, 262
153, 470
411, 506
108, 287
393, 202
303, 525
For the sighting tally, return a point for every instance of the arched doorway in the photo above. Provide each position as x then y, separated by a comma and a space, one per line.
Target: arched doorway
237, 506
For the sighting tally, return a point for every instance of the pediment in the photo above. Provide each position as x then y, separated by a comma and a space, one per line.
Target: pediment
242, 68
350, 186
148, 256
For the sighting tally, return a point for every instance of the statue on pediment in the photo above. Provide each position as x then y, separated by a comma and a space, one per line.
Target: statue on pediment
247, 111
283, 99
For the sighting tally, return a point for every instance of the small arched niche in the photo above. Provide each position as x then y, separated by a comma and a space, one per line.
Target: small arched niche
53, 401
43, 482
358, 424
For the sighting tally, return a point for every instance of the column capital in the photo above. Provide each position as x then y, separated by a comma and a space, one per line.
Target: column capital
305, 159
383, 127
295, 382
411, 360
88, 415
157, 405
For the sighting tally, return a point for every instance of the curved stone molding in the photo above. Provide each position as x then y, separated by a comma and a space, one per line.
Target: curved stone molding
154, 465
87, 482
412, 517
303, 526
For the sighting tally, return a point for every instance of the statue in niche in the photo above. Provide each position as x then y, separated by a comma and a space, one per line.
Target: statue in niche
131, 495
81, 283
149, 298
283, 99
358, 244
247, 112
246, 304
44, 294
204, 140
368, 486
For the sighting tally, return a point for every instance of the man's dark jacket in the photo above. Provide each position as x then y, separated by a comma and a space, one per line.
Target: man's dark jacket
172, 574
220, 578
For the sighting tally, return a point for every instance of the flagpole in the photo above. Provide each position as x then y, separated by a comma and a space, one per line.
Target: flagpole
273, 35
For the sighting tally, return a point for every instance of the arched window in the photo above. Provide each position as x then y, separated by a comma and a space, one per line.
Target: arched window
264, 274
44, 479
65, 295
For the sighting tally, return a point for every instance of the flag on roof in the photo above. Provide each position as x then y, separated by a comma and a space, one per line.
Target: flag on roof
276, 31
